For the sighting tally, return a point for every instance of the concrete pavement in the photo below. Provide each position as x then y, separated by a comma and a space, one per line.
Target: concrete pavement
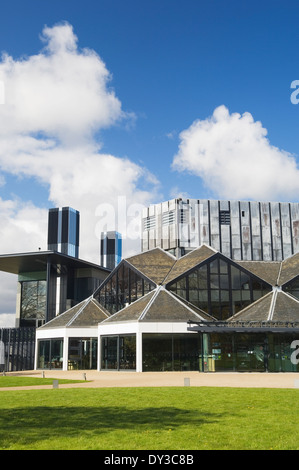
96, 379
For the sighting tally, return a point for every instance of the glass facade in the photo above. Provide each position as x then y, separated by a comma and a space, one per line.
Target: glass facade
122, 288
50, 354
63, 231
33, 302
170, 352
220, 288
82, 353
118, 352
250, 352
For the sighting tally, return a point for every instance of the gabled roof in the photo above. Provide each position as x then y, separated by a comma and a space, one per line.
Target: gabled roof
154, 264
159, 305
289, 269
276, 306
257, 311
267, 271
87, 313
189, 261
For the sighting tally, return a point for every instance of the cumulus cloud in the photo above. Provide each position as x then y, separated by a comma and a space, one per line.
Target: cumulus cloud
61, 92
57, 103
234, 158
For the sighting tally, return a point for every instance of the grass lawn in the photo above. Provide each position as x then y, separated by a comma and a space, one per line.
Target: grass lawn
157, 418
19, 381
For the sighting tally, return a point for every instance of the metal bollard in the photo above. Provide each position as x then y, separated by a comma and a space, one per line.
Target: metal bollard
55, 383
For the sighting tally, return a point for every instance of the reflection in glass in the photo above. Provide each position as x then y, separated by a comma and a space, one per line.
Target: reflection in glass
220, 288
118, 352
122, 288
170, 352
33, 300
50, 354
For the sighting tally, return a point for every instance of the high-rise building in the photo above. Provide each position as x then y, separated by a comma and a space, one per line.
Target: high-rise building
111, 249
241, 230
63, 231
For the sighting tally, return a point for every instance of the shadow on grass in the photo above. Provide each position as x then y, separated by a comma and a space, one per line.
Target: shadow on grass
23, 425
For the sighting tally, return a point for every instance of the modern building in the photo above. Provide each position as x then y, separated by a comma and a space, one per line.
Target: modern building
63, 231
111, 249
241, 230
49, 282
203, 311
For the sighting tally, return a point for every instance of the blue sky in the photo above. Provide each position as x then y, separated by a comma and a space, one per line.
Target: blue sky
194, 96
173, 62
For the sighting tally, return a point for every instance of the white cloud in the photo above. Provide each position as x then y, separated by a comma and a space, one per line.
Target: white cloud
234, 158
56, 103
62, 91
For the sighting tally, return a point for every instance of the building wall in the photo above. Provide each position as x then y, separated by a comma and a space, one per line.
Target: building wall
241, 230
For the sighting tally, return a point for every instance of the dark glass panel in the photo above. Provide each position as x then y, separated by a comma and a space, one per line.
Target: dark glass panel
127, 352
170, 352
50, 354
33, 299
118, 352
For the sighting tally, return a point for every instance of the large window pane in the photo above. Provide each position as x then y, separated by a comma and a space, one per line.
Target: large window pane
123, 288
82, 353
33, 300
50, 354
170, 352
118, 352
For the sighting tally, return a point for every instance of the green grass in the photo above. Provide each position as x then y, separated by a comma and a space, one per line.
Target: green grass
14, 381
166, 418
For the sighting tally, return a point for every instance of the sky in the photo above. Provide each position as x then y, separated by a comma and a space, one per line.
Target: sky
108, 106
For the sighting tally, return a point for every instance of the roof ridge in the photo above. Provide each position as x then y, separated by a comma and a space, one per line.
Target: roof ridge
127, 306
146, 309
279, 272
184, 305
79, 311
272, 304
261, 299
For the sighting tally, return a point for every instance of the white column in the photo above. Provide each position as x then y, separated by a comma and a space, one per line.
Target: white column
65, 352
138, 350
99, 353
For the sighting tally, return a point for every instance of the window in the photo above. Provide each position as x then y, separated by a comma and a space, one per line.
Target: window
122, 288
118, 352
170, 352
224, 217
220, 288
50, 354
149, 223
168, 218
33, 300
82, 353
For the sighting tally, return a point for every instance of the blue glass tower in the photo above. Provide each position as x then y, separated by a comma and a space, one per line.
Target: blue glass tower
111, 249
63, 231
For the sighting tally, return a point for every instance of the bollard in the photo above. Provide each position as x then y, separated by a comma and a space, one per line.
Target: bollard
296, 383
43, 374
84, 376
55, 383
186, 381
